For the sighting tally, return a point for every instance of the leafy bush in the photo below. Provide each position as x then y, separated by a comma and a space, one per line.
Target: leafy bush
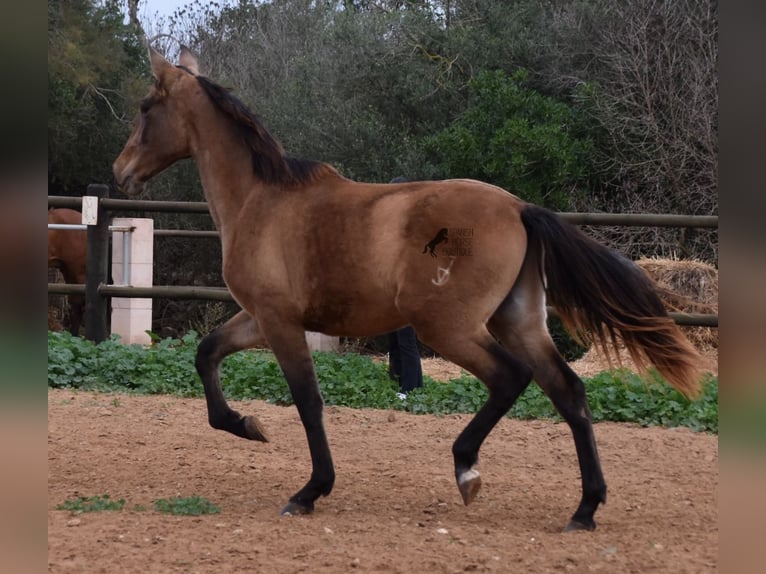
515, 137
166, 367
355, 381
567, 346
620, 395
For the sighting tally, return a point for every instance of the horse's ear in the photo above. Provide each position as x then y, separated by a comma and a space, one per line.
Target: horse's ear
160, 66
188, 60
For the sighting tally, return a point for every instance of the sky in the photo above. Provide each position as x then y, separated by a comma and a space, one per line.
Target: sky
165, 7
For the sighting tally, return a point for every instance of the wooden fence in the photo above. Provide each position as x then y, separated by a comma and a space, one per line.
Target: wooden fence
97, 292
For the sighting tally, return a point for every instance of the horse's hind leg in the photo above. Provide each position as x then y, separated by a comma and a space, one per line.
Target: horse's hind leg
506, 378
520, 325
567, 392
240, 332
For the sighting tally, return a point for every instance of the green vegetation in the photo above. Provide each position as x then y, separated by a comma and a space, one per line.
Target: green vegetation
186, 506
517, 138
97, 71
91, 504
355, 381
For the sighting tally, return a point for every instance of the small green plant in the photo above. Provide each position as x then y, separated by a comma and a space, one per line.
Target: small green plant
91, 504
186, 506
357, 381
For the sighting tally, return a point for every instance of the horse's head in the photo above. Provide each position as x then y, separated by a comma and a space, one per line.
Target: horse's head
161, 134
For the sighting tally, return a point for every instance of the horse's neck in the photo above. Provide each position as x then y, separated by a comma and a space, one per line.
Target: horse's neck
225, 170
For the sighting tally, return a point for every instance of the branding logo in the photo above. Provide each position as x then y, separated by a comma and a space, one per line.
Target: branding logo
441, 236
458, 242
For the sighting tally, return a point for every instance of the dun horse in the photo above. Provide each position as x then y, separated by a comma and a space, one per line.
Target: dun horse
67, 251
307, 249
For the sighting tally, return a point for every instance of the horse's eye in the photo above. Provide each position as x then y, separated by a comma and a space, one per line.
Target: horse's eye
145, 105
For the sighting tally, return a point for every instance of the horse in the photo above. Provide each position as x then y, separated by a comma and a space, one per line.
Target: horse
67, 251
306, 249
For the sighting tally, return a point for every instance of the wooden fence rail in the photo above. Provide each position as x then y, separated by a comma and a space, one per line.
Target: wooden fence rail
222, 294
617, 219
103, 291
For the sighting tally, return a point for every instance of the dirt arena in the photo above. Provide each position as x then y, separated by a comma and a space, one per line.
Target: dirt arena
395, 507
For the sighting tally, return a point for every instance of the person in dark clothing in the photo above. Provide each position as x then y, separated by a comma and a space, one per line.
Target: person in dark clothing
404, 359
403, 354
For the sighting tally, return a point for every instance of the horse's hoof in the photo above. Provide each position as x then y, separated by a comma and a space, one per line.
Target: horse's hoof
254, 429
575, 526
295, 509
469, 484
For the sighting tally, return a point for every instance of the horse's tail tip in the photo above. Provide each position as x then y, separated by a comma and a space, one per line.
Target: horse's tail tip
688, 380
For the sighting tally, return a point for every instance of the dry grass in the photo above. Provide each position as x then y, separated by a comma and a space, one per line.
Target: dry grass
57, 304
690, 287
687, 286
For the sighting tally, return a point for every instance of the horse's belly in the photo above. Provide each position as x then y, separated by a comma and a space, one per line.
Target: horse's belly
344, 314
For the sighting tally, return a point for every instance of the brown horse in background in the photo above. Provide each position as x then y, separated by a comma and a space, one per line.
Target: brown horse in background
307, 249
67, 251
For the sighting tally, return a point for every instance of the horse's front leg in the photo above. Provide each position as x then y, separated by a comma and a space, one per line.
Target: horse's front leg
240, 332
289, 345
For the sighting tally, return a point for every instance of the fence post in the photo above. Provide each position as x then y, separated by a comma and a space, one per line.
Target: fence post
97, 268
132, 265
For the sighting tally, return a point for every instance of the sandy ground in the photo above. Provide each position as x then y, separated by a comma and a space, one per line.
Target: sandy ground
395, 507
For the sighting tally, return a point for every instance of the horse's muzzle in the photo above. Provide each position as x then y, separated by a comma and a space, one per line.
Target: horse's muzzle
130, 186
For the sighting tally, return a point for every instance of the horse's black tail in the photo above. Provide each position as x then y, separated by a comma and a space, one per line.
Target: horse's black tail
599, 294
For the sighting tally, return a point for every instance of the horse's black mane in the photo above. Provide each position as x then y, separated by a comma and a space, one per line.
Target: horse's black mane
269, 161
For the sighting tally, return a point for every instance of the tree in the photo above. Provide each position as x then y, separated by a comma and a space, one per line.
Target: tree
346, 86
96, 67
360, 84
517, 138
655, 98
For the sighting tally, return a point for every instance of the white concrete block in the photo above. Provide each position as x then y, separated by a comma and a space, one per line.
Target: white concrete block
131, 317
322, 342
